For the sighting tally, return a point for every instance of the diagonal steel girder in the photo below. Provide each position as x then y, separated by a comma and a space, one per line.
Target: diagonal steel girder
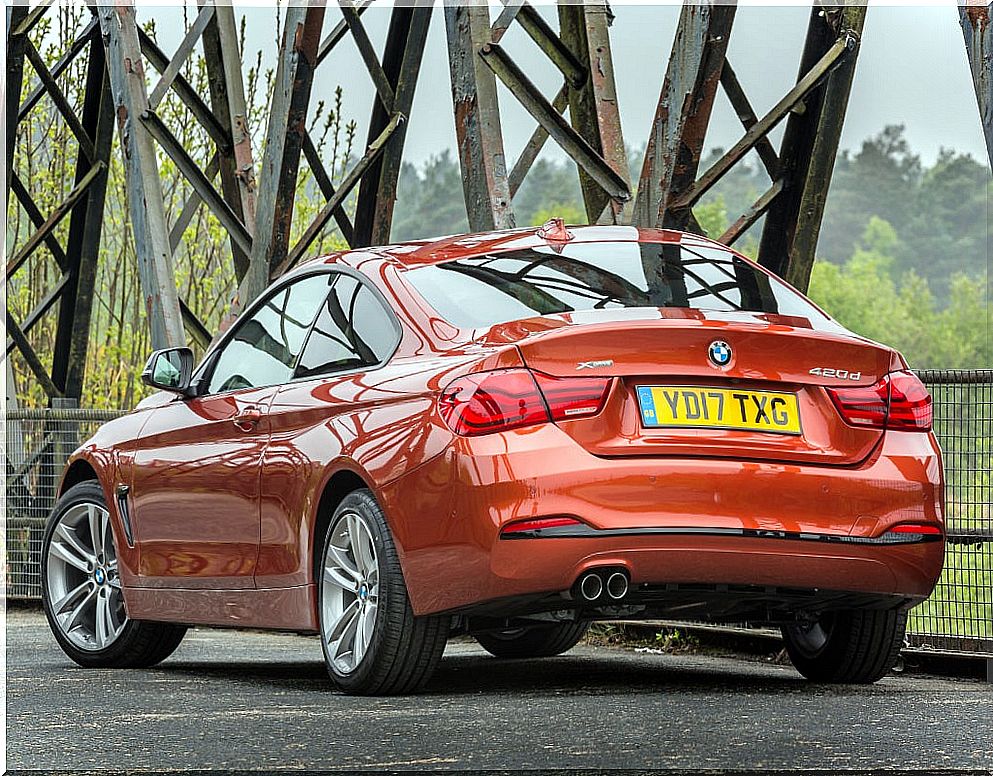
285, 137
145, 203
978, 33
810, 145
672, 154
478, 129
593, 108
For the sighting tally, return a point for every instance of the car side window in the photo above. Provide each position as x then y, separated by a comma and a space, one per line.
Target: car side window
264, 348
353, 330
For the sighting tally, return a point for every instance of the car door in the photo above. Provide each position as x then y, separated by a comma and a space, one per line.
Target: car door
354, 333
195, 483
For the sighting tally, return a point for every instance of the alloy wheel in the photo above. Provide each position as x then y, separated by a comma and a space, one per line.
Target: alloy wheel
84, 585
350, 592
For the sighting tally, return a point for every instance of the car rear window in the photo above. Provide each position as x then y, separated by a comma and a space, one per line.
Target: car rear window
483, 291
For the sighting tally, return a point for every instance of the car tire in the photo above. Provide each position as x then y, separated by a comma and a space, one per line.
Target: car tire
112, 640
847, 647
399, 651
538, 641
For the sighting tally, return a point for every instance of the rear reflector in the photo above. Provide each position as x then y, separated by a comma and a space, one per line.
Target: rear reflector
537, 523
916, 528
500, 401
899, 401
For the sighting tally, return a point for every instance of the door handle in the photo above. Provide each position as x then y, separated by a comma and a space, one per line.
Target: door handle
248, 418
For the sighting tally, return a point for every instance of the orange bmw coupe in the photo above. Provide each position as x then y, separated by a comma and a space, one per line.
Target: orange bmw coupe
508, 435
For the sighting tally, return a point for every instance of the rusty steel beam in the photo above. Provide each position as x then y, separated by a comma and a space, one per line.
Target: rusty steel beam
314, 229
746, 115
978, 34
92, 30
536, 142
558, 51
788, 104
145, 204
477, 120
72, 335
190, 207
32, 359
44, 231
593, 108
222, 55
180, 55
285, 134
574, 144
323, 181
20, 191
672, 155
401, 66
58, 97
198, 180
753, 214
15, 77
184, 90
810, 144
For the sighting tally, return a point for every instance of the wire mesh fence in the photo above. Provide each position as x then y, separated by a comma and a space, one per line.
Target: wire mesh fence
958, 617
37, 443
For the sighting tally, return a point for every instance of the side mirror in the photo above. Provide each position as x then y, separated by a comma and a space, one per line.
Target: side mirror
169, 370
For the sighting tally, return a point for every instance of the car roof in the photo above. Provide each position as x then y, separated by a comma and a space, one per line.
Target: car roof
416, 253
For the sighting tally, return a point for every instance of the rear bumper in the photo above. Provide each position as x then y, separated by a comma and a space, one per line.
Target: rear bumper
667, 522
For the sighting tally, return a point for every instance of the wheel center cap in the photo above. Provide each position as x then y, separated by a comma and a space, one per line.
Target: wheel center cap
100, 576
363, 592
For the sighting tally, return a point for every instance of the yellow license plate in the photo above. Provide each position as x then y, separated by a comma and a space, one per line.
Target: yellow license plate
684, 406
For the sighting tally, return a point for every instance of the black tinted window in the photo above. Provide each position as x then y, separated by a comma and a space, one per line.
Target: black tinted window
483, 291
353, 330
265, 346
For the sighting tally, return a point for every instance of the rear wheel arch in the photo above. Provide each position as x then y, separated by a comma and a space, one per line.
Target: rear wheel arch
338, 486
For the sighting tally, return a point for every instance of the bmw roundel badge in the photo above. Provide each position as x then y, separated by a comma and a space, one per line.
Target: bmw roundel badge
720, 353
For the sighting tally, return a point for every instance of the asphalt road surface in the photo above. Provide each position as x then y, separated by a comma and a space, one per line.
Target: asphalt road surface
262, 701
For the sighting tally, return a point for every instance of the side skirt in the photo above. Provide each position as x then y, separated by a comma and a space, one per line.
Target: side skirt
288, 608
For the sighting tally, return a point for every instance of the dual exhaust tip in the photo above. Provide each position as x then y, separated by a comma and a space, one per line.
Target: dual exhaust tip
600, 585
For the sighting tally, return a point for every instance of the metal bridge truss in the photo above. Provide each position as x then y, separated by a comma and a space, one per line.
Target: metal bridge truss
128, 76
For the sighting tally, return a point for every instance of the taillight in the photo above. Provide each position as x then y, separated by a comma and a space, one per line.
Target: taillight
899, 401
499, 401
493, 401
910, 403
573, 397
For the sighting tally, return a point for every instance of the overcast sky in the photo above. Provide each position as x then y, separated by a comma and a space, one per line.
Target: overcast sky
912, 70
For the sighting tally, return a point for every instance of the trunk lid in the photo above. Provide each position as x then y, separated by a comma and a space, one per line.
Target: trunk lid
771, 355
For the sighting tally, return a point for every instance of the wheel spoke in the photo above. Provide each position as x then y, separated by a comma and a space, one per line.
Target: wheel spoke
345, 581
341, 623
77, 612
102, 630
355, 540
369, 621
345, 642
96, 529
62, 604
341, 558
366, 554
70, 554
106, 538
360, 639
